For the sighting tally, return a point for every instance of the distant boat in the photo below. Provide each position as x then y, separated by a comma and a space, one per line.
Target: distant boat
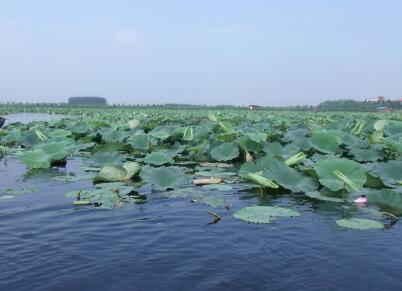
2, 120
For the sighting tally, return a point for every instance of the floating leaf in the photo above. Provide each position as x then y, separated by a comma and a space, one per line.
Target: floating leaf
21, 191
263, 214
359, 223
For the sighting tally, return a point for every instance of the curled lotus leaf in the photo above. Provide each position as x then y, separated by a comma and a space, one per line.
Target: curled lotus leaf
117, 173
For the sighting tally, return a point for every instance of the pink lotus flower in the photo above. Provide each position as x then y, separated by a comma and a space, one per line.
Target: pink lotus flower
361, 199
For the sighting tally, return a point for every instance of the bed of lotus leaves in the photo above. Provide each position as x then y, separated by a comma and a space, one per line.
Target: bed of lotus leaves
331, 157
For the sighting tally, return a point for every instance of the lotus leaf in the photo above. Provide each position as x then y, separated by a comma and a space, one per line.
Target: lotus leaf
327, 170
390, 173
36, 159
164, 178
140, 141
116, 173
263, 214
158, 159
225, 152
359, 223
325, 141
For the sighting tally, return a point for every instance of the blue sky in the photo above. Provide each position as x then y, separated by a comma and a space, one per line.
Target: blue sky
203, 52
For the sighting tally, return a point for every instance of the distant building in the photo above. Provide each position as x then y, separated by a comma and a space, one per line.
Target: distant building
379, 99
254, 107
383, 109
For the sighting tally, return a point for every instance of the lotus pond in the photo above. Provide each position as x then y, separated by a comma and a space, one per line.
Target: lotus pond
201, 200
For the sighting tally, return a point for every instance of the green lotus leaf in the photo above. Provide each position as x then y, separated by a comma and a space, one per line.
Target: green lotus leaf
60, 133
366, 155
21, 190
393, 145
390, 173
111, 135
319, 196
158, 159
225, 152
247, 144
263, 214
116, 173
140, 142
72, 178
164, 178
394, 129
218, 187
257, 137
288, 177
57, 150
162, 135
360, 223
36, 159
385, 197
106, 158
110, 185
28, 139
295, 134
277, 150
327, 170
226, 136
326, 141
226, 127
248, 167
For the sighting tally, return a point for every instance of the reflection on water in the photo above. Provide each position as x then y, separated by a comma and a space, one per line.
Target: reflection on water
30, 117
169, 243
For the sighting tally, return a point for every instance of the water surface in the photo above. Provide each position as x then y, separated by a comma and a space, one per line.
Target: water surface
169, 243
28, 117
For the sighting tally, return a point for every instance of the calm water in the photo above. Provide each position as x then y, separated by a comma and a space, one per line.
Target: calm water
29, 117
168, 243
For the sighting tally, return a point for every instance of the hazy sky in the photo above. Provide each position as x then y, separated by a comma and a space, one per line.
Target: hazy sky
203, 52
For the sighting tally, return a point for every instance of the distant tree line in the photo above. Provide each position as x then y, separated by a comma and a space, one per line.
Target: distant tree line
353, 105
87, 101
331, 105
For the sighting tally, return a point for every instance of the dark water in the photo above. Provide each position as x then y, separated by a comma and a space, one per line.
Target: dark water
168, 243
